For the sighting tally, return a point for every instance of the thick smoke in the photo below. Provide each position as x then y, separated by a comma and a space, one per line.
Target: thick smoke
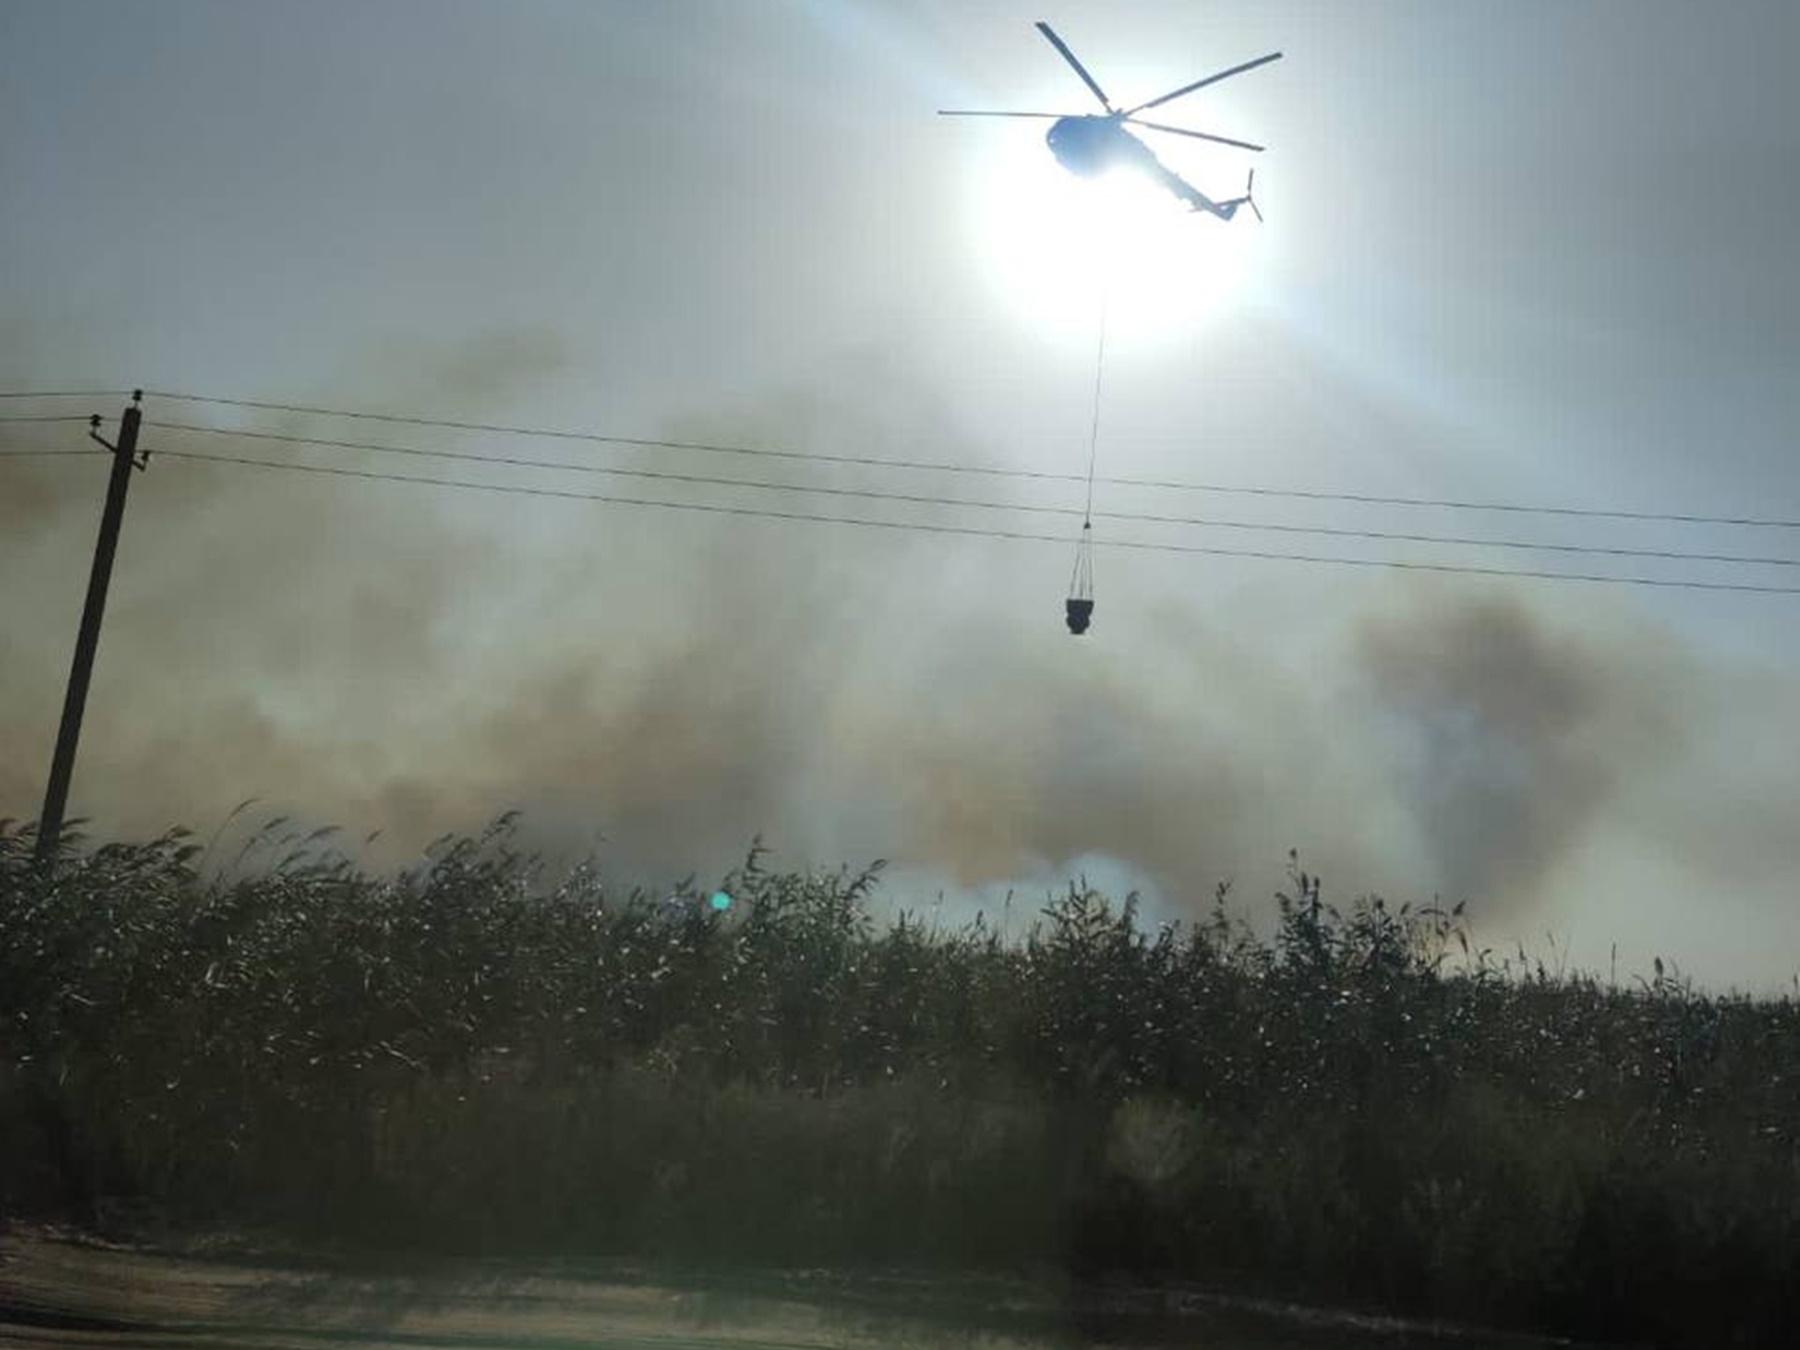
664, 686
1512, 737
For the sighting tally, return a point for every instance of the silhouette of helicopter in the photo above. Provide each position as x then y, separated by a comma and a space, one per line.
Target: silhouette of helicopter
1089, 144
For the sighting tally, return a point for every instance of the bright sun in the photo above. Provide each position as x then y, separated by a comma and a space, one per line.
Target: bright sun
1054, 241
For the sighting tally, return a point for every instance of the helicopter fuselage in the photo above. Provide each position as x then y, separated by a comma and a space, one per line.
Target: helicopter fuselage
1092, 145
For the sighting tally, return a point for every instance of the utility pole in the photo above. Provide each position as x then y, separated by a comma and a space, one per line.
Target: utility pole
62, 765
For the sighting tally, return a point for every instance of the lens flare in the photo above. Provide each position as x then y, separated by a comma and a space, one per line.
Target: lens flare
1053, 242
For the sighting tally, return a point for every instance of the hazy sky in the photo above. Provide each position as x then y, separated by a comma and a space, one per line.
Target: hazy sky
1533, 252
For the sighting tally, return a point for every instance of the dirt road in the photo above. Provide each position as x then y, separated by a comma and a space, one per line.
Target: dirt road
58, 1290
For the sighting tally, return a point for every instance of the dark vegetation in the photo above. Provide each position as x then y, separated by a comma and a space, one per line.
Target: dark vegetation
477, 1057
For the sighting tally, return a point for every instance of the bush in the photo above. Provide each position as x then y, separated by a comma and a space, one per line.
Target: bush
474, 1056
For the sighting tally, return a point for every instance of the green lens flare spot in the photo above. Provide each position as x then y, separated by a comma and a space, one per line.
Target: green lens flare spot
721, 901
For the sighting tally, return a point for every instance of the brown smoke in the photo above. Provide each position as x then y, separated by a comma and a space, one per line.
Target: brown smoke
416, 661
1511, 736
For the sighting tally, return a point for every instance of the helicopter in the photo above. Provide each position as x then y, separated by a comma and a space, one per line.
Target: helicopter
1090, 144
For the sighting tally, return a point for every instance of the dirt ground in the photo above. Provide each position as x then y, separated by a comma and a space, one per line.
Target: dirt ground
66, 1290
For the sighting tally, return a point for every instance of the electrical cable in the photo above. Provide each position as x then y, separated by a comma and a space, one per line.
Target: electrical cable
986, 533
1133, 517
938, 466
66, 453
64, 393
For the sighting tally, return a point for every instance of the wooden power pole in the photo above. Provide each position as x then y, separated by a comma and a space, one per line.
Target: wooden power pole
62, 765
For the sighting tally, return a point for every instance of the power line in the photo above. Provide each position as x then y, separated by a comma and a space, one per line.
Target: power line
871, 494
939, 466
515, 461
983, 532
642, 442
63, 393
65, 453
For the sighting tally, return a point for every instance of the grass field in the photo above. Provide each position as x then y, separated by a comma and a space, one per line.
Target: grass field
477, 1058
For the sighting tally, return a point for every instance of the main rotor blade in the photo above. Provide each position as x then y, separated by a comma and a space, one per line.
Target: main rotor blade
964, 112
1201, 84
1080, 69
1197, 135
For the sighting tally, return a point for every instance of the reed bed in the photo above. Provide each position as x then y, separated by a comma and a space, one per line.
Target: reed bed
1348, 1104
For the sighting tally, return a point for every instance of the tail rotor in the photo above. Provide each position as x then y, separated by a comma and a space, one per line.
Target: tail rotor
1228, 210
